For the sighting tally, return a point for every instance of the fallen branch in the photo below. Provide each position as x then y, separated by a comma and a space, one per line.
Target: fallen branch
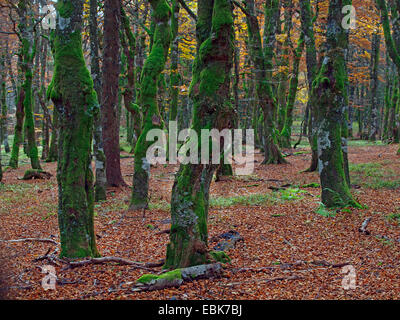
121, 261
32, 240
177, 277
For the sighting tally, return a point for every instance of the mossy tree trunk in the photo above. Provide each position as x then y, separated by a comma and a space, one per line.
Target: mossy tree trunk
330, 88
373, 113
3, 106
286, 132
100, 186
73, 94
392, 39
110, 84
307, 26
210, 92
175, 77
388, 93
53, 150
19, 124
128, 41
283, 66
46, 123
262, 60
147, 100
27, 52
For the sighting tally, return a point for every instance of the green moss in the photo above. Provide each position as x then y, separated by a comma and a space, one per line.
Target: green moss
65, 8
222, 15
220, 256
311, 185
72, 92
153, 67
169, 276
147, 278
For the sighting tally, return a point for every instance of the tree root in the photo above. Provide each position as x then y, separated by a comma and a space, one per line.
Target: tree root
36, 174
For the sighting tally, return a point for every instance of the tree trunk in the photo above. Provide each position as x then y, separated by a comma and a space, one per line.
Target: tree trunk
210, 92
53, 151
307, 25
100, 189
28, 51
262, 60
72, 93
18, 136
109, 99
286, 132
147, 100
175, 77
373, 114
330, 88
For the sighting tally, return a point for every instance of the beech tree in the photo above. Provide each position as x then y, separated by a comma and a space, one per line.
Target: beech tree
28, 42
75, 98
307, 26
98, 150
147, 99
210, 92
392, 40
330, 88
109, 99
262, 60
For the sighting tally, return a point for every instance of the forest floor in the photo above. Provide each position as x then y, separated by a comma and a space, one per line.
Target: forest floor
292, 247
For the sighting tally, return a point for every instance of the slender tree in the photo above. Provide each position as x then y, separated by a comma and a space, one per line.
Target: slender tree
28, 37
307, 26
373, 112
109, 99
392, 39
175, 77
147, 100
262, 61
101, 179
286, 132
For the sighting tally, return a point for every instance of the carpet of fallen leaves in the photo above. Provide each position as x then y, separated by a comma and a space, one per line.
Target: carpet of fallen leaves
275, 235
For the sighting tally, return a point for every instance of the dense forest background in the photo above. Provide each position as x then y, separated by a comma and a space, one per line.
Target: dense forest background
84, 82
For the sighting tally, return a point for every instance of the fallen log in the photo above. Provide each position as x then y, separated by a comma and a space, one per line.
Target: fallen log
175, 278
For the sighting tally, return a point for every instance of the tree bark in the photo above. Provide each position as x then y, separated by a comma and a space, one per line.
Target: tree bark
373, 114
147, 100
73, 94
262, 60
210, 92
109, 99
28, 51
330, 88
100, 188
307, 25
